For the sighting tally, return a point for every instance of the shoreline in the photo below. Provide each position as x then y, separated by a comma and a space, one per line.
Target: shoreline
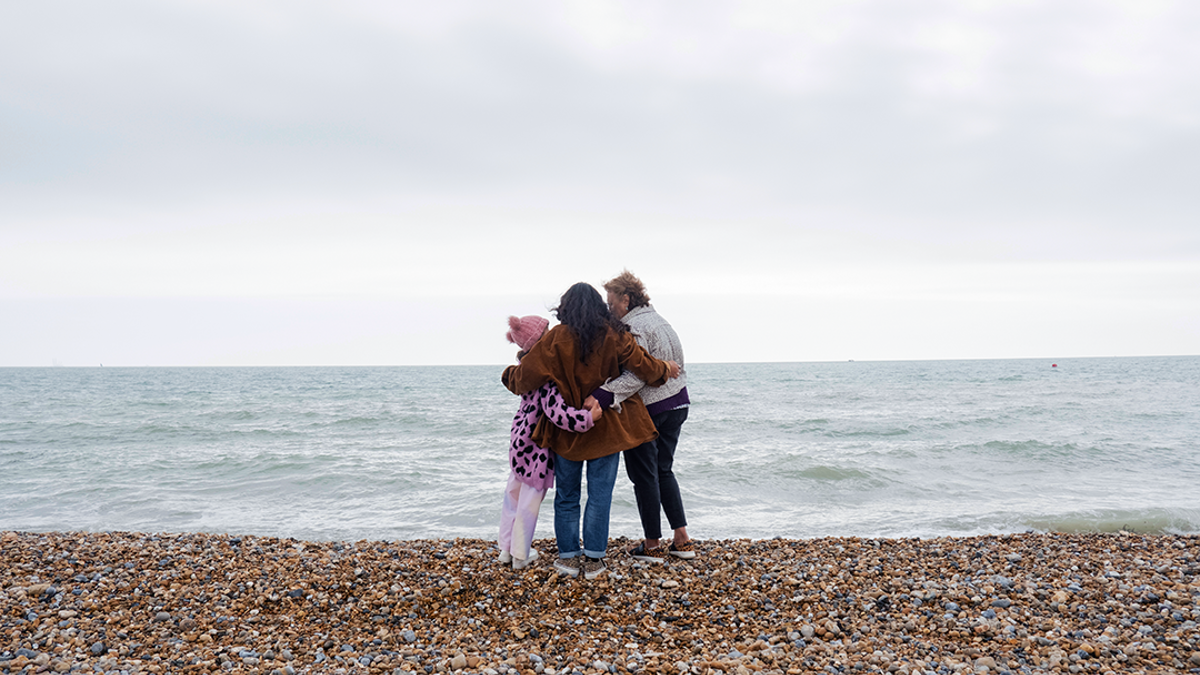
195, 603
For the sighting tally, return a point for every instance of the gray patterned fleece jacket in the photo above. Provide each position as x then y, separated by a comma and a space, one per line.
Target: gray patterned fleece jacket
656, 335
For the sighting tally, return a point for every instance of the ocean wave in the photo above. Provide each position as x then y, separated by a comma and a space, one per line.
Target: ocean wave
878, 449
1141, 521
832, 474
890, 432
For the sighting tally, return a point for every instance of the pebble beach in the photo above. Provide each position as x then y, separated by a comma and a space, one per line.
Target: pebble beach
118, 602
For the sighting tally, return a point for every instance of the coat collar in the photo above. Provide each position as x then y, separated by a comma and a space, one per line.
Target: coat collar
637, 311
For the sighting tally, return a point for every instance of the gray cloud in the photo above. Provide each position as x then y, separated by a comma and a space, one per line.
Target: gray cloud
218, 148
182, 102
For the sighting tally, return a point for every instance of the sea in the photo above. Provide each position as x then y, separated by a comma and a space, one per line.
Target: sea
794, 450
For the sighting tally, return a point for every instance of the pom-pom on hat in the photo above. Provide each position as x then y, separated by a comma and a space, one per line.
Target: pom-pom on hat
525, 331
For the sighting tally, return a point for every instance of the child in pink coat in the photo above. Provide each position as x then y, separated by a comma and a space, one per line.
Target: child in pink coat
532, 468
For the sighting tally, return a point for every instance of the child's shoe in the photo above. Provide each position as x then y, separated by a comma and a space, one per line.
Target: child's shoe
505, 557
519, 564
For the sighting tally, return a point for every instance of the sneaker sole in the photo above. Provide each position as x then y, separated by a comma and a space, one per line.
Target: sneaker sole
649, 558
592, 575
569, 571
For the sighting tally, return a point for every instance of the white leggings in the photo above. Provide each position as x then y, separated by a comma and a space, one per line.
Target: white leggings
518, 517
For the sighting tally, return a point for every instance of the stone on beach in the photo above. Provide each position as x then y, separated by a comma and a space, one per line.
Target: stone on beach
200, 603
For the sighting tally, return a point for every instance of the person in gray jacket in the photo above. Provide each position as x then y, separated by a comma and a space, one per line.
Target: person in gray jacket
650, 465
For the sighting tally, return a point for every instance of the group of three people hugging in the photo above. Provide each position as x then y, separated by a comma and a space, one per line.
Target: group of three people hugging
607, 380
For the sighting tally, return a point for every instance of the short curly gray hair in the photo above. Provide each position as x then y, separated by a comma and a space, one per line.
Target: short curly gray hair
626, 283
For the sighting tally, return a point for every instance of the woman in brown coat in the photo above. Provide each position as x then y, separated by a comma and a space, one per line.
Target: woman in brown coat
587, 348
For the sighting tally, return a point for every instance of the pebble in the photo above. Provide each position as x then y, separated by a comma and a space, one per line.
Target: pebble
210, 603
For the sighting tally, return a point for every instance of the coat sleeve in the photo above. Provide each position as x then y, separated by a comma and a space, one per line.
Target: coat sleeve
563, 416
621, 388
634, 357
627, 384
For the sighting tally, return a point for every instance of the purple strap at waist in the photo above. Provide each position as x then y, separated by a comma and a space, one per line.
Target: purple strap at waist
670, 403
605, 399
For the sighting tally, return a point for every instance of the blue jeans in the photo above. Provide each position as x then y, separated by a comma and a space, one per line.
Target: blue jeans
568, 476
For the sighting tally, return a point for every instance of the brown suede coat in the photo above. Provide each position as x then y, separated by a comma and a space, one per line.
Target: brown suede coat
555, 358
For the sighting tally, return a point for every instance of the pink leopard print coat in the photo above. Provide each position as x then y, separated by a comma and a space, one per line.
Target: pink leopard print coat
532, 465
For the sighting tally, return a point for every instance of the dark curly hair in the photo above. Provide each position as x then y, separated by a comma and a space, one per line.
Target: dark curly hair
583, 311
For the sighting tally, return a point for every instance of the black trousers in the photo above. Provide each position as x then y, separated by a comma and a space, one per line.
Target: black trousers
649, 466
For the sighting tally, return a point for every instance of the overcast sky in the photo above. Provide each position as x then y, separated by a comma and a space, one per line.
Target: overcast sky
293, 183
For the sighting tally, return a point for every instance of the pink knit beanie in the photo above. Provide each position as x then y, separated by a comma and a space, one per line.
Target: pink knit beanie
525, 331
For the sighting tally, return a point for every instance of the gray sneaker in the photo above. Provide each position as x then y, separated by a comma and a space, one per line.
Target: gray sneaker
568, 566
593, 567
